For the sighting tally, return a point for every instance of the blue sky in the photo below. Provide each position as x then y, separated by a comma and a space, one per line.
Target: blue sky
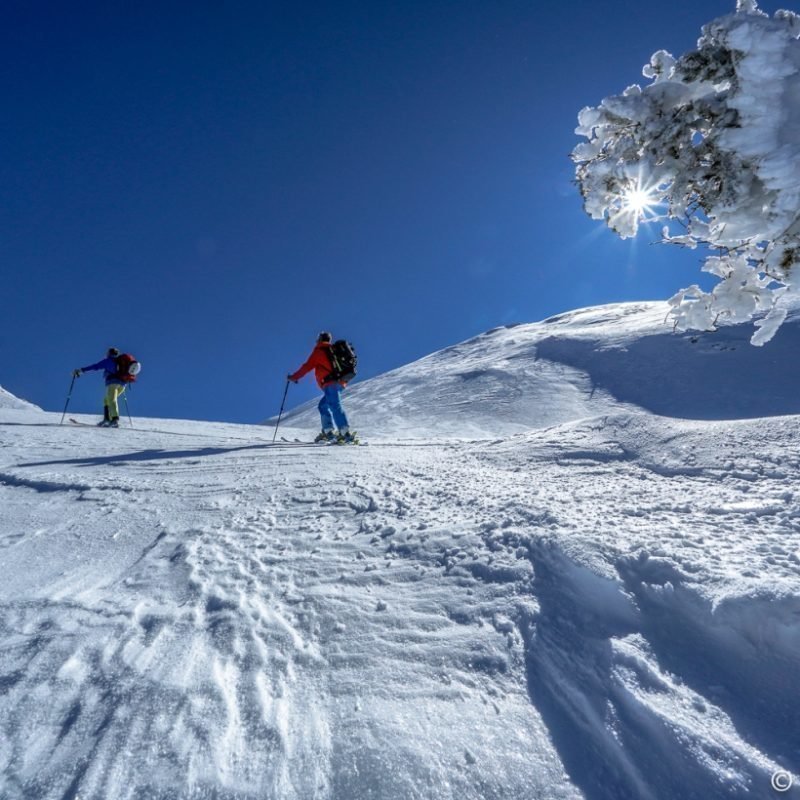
209, 185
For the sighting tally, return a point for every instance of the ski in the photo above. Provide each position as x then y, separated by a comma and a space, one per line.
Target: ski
283, 439
325, 443
91, 424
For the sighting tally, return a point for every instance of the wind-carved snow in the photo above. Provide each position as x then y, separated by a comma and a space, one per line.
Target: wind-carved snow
603, 607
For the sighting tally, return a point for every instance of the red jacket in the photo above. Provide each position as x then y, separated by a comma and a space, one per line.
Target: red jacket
320, 362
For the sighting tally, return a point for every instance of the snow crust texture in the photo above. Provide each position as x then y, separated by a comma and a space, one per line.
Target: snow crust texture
600, 605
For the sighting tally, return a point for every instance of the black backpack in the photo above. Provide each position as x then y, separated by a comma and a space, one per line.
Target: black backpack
343, 361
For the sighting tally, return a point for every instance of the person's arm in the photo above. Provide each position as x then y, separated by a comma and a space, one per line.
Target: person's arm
305, 369
107, 363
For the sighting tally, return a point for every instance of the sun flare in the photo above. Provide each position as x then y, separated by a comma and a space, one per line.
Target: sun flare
640, 201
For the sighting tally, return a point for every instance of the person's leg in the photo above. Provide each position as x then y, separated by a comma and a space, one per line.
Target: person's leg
113, 393
107, 404
325, 412
334, 395
120, 392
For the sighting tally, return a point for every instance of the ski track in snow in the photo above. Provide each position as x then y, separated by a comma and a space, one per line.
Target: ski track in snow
504, 619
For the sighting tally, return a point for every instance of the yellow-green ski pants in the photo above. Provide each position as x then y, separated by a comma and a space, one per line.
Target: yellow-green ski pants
113, 393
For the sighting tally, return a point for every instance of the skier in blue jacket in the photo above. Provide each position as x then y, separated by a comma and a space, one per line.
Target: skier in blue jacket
115, 386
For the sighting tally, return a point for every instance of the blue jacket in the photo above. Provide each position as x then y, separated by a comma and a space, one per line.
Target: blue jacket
110, 366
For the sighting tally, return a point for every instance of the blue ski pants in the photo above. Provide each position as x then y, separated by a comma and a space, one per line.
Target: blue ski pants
330, 408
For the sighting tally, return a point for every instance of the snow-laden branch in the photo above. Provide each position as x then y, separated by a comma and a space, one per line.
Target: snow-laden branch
712, 143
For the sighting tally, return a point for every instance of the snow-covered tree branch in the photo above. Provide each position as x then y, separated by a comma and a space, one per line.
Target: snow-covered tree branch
712, 147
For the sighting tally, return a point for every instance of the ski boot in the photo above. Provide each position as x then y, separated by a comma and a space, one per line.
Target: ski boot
347, 437
114, 423
325, 437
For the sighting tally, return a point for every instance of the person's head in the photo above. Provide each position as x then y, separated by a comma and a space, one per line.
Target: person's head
324, 337
112, 352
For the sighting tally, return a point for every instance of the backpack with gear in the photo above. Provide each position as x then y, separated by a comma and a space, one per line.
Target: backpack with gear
127, 367
343, 361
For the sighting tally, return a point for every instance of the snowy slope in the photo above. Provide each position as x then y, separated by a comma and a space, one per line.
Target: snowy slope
584, 363
8, 400
607, 608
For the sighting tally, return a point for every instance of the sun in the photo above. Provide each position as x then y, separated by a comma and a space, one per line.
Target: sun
639, 201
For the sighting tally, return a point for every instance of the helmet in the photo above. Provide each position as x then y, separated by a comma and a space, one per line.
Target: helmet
324, 337
112, 352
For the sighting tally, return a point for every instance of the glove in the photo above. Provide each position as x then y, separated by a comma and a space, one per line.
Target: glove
76, 373
290, 378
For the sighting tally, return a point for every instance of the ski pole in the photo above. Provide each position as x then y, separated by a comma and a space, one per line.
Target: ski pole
128, 408
68, 397
280, 413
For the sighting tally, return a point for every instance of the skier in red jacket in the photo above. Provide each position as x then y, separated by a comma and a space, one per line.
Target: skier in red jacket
330, 406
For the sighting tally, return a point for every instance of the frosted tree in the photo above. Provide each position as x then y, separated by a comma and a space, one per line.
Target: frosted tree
711, 146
